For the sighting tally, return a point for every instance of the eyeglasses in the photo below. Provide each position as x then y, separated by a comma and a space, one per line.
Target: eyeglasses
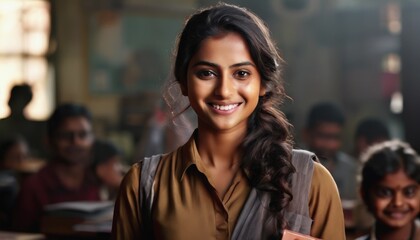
70, 135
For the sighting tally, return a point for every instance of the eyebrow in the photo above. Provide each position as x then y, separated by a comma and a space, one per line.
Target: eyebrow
403, 187
206, 63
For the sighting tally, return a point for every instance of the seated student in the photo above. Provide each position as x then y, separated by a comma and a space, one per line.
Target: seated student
390, 188
65, 177
13, 152
107, 167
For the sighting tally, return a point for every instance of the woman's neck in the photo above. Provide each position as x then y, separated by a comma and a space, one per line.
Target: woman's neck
221, 149
220, 155
386, 233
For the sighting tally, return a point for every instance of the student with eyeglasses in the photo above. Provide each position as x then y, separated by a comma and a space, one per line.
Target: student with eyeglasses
65, 177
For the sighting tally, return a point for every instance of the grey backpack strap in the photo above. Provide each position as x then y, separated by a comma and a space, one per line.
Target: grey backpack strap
254, 221
297, 213
146, 191
250, 224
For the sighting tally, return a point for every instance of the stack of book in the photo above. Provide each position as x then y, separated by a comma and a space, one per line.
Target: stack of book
69, 218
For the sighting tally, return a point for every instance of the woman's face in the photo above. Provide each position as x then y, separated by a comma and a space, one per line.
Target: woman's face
223, 83
395, 201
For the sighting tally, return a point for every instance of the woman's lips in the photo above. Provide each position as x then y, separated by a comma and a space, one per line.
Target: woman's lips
226, 107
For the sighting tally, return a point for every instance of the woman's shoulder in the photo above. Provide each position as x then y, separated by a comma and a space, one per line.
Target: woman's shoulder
149, 165
306, 164
304, 160
132, 176
323, 184
321, 173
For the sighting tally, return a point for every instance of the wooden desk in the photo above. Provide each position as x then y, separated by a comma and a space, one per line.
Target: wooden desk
60, 228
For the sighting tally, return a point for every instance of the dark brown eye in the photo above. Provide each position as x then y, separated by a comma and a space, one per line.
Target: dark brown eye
410, 191
205, 74
241, 74
382, 192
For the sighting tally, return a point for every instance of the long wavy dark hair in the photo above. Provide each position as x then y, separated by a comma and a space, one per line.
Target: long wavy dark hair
268, 140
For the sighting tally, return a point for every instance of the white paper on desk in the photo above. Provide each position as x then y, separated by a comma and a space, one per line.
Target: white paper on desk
81, 206
98, 226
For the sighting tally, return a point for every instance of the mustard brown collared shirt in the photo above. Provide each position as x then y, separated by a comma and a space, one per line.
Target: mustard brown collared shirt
186, 206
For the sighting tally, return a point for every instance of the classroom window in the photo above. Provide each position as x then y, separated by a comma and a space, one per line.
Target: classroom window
24, 48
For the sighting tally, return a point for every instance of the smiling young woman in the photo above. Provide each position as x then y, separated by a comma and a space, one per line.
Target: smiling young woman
238, 176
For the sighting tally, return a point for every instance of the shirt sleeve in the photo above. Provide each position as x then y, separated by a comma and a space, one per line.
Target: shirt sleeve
325, 206
127, 212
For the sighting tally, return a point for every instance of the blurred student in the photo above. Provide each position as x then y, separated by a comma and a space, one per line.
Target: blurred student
107, 165
369, 131
66, 176
390, 188
323, 133
18, 124
13, 152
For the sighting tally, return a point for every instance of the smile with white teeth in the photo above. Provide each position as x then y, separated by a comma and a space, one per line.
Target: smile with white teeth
225, 107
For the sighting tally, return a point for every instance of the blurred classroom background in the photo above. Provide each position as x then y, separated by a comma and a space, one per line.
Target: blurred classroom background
114, 56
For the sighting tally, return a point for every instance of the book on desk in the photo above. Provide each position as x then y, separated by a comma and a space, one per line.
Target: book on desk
78, 218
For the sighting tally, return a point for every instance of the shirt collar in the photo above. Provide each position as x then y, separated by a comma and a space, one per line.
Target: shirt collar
189, 156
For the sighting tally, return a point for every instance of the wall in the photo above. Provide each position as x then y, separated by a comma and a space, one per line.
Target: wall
72, 70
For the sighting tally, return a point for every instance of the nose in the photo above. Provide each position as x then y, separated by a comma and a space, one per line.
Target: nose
224, 87
78, 139
398, 199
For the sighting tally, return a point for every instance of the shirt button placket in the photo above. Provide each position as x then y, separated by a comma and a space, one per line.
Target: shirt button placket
222, 227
